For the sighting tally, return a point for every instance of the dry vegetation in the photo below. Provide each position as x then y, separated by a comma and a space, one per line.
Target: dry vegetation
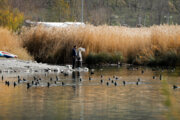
11, 43
152, 46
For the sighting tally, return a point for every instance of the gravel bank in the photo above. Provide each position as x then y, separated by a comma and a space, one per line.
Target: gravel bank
21, 66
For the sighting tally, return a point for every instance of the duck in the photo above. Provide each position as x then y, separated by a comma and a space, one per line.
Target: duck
48, 84
36, 83
101, 81
28, 85
57, 78
174, 86
8, 83
160, 77
92, 72
90, 78
137, 83
107, 83
115, 84
37, 80
5, 82
66, 74
124, 83
24, 80
15, 84
19, 80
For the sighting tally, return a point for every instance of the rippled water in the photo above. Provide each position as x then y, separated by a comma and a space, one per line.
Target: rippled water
91, 99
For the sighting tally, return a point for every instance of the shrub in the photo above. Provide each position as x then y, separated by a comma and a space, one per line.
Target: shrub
11, 19
103, 58
11, 43
145, 46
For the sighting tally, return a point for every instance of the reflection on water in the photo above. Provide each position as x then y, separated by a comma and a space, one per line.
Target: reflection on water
84, 99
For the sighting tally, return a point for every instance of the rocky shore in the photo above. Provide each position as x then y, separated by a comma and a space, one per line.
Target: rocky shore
21, 66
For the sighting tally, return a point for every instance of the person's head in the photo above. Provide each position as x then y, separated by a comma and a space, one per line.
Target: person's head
74, 46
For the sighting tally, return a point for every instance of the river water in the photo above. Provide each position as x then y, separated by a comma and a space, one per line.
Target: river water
150, 98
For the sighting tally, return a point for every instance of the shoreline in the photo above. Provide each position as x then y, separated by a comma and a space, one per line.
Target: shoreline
18, 66
12, 65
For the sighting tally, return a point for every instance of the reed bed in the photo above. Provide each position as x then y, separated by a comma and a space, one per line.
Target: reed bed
156, 45
11, 43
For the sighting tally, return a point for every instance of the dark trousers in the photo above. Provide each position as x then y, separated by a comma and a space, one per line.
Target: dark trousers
74, 62
79, 63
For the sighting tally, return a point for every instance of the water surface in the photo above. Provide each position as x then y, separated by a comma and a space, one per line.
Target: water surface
91, 99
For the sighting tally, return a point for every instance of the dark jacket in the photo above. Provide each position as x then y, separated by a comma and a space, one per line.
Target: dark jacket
74, 54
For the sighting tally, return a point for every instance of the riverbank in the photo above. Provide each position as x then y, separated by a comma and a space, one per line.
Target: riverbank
21, 66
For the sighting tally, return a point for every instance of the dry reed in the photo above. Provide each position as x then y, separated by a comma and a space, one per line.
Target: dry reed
154, 45
12, 44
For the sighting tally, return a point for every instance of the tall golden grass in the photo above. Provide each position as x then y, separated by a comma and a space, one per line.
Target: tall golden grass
10, 42
153, 45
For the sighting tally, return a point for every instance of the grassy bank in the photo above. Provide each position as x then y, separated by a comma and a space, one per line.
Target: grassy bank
11, 43
157, 45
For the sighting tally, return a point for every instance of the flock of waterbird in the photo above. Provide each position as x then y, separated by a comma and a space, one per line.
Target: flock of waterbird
114, 79
37, 81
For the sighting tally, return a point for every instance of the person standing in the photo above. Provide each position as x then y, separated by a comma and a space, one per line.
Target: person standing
79, 56
74, 55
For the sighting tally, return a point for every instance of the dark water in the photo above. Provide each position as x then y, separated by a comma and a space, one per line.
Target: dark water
90, 100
